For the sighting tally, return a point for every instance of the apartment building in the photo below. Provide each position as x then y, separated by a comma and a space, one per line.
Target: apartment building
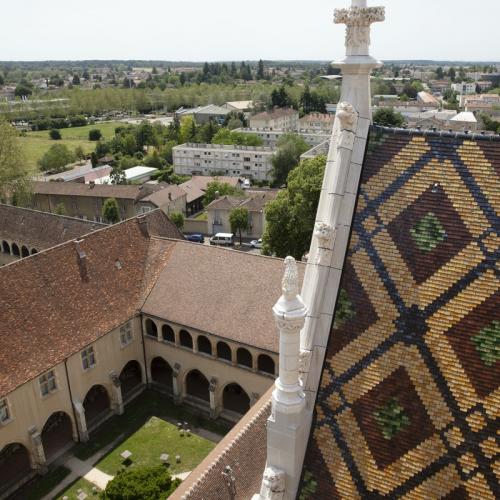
270, 137
215, 159
281, 118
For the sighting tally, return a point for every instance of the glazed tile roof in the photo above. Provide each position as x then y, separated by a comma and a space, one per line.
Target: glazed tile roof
409, 401
41, 230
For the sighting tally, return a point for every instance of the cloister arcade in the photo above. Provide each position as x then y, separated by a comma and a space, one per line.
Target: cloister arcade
16, 249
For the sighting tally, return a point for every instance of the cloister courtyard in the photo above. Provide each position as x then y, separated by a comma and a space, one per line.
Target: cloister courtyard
148, 429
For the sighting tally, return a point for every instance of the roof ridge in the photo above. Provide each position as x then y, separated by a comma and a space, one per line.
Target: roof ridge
439, 133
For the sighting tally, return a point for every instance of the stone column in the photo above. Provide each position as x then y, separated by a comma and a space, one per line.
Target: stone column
37, 451
81, 421
214, 410
287, 427
117, 398
175, 384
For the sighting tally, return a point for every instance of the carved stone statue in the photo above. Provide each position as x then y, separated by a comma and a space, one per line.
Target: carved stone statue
347, 115
273, 485
290, 283
324, 233
230, 481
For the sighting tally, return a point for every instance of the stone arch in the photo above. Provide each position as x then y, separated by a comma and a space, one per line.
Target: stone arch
197, 385
130, 378
25, 251
5, 247
185, 339
204, 345
14, 466
34, 251
57, 434
162, 373
151, 328
235, 399
96, 404
168, 334
224, 351
15, 250
266, 364
244, 357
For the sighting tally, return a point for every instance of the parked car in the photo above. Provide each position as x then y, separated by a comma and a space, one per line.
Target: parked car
256, 243
197, 238
223, 239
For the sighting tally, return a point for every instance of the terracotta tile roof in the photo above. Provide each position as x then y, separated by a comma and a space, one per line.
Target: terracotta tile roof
166, 193
197, 185
225, 203
254, 202
40, 229
244, 449
224, 292
53, 305
409, 399
133, 192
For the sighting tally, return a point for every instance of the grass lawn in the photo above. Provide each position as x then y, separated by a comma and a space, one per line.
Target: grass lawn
42, 486
35, 144
153, 439
149, 403
72, 491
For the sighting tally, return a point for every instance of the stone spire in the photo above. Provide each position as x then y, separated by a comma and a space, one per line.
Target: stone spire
358, 64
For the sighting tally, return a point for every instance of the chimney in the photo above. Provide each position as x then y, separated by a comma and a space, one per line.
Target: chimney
91, 184
82, 260
143, 225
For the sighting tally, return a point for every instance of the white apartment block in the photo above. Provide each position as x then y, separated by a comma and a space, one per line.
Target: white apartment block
464, 88
271, 137
214, 159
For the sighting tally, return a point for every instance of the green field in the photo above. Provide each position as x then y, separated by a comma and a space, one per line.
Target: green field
35, 144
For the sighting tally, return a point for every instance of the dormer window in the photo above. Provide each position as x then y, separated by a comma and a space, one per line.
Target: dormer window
4, 411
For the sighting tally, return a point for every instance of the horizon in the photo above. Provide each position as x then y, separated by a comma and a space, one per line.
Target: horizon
66, 30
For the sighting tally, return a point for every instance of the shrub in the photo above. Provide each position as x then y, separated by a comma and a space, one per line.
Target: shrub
55, 135
95, 134
141, 483
178, 219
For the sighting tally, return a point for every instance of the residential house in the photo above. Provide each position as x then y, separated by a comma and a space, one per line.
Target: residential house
85, 201
254, 201
195, 190
279, 118
427, 99
320, 122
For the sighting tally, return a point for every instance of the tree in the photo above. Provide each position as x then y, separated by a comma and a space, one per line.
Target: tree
260, 71
238, 218
79, 153
286, 158
76, 80
95, 134
387, 117
178, 219
14, 172
187, 131
60, 209
110, 211
94, 160
56, 158
290, 217
452, 74
439, 73
117, 175
55, 135
141, 483
23, 89
222, 188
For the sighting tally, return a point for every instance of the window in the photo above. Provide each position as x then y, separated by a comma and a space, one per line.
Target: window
47, 383
4, 411
88, 358
126, 334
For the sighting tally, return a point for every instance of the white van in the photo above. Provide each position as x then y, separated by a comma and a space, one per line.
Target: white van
223, 239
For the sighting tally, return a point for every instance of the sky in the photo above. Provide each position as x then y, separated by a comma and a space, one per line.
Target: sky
226, 30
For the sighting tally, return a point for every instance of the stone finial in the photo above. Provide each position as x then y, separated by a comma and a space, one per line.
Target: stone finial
290, 282
324, 233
